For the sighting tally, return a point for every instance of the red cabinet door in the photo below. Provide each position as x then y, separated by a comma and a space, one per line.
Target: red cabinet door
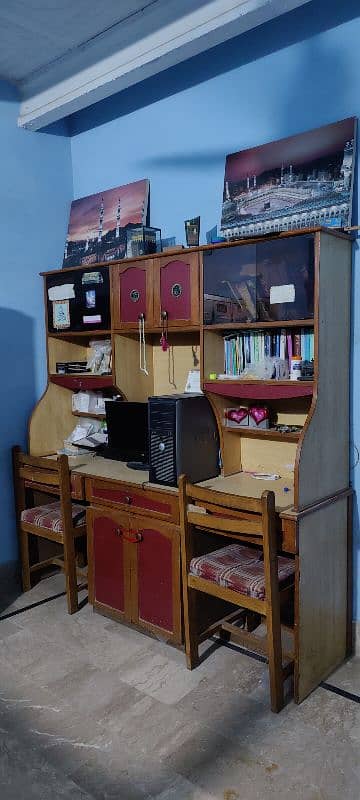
177, 290
109, 535
157, 580
133, 294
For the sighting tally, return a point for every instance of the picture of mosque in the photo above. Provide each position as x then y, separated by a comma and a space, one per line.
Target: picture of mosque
99, 223
300, 182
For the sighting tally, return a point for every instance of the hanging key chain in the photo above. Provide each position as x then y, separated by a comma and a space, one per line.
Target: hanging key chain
164, 331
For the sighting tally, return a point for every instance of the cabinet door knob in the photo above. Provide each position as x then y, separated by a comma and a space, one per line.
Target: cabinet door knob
118, 531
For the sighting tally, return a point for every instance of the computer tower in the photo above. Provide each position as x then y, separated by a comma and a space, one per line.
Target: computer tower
183, 439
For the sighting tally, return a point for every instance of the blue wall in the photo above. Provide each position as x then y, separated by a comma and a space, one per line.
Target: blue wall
294, 74
35, 196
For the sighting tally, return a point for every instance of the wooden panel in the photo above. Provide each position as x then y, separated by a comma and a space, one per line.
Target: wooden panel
132, 382
47, 429
321, 596
158, 504
289, 539
155, 577
64, 350
132, 294
110, 568
155, 583
260, 390
176, 289
171, 368
324, 452
246, 486
258, 455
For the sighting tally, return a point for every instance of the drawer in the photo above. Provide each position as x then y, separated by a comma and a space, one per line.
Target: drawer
289, 535
162, 505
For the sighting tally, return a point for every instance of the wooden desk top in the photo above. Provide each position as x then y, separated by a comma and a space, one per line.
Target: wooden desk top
241, 484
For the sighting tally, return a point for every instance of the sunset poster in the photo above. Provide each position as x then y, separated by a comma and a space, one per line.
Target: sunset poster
99, 223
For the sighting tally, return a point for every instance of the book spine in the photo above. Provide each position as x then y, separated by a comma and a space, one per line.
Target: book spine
297, 344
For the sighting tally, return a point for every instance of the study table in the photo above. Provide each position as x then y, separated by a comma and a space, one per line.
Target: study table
133, 526
134, 559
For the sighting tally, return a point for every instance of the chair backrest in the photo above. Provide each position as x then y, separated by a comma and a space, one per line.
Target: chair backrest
245, 518
41, 472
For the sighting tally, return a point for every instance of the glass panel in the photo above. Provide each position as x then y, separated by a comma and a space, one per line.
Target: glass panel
285, 279
230, 285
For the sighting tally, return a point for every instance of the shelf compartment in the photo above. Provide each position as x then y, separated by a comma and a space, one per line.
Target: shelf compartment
233, 326
76, 382
260, 390
82, 334
264, 433
90, 414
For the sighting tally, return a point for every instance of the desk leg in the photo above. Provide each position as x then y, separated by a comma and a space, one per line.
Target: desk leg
321, 596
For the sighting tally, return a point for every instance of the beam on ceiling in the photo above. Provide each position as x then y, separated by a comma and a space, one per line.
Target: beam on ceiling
197, 31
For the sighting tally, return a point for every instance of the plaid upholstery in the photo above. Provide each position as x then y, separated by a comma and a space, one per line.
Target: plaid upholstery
49, 516
239, 568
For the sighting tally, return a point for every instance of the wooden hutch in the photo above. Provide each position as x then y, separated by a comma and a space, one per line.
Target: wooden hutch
134, 553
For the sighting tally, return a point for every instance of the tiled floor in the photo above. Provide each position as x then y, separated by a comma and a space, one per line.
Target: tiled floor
91, 709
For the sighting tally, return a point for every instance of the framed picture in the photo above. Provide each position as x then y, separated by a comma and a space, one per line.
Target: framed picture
99, 224
61, 314
301, 182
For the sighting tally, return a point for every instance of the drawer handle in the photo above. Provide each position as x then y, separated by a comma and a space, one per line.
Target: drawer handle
128, 500
118, 531
134, 537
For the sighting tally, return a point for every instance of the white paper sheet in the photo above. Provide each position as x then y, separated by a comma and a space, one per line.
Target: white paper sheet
63, 292
282, 294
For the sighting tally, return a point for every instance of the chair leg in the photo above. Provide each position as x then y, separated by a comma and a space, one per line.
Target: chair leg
191, 642
70, 576
25, 561
275, 659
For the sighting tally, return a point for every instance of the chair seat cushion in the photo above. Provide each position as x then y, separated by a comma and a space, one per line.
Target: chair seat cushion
49, 516
239, 568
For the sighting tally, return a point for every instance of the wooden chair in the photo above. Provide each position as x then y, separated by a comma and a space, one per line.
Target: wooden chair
58, 521
249, 575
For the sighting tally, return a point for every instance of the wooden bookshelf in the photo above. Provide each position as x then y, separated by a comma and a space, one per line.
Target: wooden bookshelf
260, 390
90, 414
234, 326
263, 433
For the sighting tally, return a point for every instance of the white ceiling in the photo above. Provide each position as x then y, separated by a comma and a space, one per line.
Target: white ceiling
67, 54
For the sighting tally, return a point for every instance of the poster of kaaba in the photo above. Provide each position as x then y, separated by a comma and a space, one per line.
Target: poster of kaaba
99, 223
304, 181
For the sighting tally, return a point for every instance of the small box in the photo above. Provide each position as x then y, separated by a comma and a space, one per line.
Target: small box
142, 241
236, 417
259, 417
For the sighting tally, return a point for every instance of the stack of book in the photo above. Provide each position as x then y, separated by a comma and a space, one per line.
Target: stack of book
246, 348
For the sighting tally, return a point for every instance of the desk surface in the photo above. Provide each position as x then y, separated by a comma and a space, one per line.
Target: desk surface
241, 484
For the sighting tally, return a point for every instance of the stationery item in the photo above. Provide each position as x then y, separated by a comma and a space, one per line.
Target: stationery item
61, 314
265, 476
63, 292
100, 356
92, 277
295, 367
92, 319
90, 298
193, 382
